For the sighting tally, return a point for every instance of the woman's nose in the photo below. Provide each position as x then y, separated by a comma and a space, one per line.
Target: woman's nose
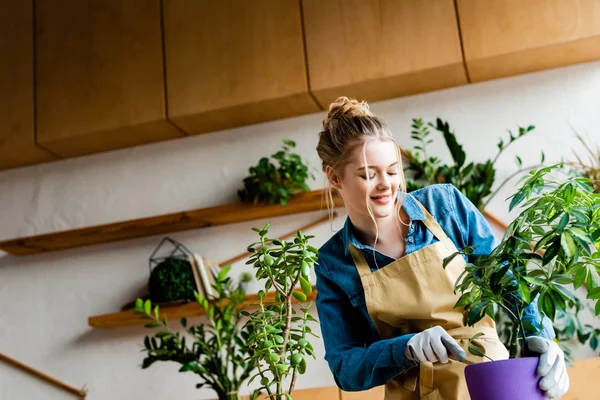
384, 182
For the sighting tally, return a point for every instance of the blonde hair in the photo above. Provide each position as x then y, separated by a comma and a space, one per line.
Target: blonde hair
348, 124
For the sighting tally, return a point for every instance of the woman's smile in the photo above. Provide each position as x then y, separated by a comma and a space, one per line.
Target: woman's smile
382, 199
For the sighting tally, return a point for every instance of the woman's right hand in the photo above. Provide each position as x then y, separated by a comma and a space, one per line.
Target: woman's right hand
433, 345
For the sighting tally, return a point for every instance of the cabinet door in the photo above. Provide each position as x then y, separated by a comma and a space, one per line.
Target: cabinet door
100, 76
17, 138
511, 37
234, 62
376, 50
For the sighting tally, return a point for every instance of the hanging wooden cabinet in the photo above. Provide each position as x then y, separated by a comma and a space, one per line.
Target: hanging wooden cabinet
234, 62
99, 75
511, 37
17, 136
377, 50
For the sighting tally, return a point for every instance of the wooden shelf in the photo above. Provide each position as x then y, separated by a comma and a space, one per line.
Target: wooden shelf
179, 221
192, 309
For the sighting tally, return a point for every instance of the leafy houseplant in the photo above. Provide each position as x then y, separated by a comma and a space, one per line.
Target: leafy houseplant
560, 219
268, 182
474, 180
218, 351
279, 336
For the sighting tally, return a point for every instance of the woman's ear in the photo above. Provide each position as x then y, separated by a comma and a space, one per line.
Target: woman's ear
334, 179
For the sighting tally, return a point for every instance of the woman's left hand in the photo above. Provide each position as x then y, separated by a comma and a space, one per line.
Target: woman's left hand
551, 366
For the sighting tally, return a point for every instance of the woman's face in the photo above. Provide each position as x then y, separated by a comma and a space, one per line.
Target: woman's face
375, 182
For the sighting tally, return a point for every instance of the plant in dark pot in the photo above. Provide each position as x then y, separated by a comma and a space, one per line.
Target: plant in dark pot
216, 351
552, 244
171, 274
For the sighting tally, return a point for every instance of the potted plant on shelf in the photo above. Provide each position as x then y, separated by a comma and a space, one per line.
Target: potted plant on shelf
279, 339
276, 183
171, 273
554, 242
218, 350
474, 180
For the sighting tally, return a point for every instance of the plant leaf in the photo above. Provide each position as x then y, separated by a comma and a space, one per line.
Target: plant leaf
534, 281
580, 276
568, 244
449, 259
299, 296
517, 199
564, 220
551, 251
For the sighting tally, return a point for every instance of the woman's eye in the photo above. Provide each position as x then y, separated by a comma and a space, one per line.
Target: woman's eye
392, 173
370, 177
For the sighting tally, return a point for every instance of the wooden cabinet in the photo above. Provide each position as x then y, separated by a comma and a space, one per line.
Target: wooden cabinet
510, 37
17, 136
376, 50
99, 75
234, 62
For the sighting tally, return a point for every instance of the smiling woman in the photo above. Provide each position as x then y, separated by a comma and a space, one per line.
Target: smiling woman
385, 302
362, 162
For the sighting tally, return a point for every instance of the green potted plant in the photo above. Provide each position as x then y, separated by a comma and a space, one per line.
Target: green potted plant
276, 182
279, 339
554, 242
474, 180
216, 351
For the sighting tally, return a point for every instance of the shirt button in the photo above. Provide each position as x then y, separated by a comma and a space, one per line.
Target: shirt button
410, 240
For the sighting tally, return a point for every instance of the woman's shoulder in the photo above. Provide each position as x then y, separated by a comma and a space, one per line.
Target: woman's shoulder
438, 189
439, 197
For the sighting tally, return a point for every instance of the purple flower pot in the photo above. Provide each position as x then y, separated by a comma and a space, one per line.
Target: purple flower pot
513, 379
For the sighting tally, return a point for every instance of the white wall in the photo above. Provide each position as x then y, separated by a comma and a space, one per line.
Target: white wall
45, 299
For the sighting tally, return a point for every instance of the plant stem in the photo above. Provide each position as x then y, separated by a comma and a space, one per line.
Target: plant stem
288, 323
293, 382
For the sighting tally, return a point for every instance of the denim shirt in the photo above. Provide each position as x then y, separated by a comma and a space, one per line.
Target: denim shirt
358, 358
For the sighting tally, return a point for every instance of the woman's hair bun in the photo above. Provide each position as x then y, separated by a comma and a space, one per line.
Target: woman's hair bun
344, 106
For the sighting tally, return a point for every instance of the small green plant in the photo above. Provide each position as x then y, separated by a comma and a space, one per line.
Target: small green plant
474, 180
559, 217
279, 337
273, 183
590, 168
171, 280
218, 349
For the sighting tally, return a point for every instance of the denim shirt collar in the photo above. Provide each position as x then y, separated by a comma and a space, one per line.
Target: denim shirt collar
409, 205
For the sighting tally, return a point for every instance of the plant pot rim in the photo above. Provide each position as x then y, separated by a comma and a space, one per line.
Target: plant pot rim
506, 361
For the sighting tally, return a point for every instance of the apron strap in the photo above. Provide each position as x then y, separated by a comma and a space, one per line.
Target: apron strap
410, 380
432, 224
359, 261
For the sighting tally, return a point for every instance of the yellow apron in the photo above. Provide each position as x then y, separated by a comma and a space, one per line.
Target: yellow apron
415, 293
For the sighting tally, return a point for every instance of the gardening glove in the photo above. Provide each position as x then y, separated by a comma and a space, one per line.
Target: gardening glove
433, 345
551, 367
